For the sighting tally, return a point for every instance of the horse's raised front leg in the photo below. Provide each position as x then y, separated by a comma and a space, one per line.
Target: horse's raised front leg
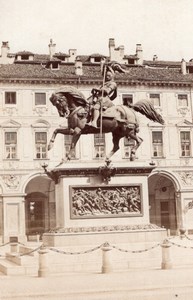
65, 131
116, 139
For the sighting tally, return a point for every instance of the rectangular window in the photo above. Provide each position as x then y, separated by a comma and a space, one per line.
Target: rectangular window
40, 98
128, 144
67, 145
183, 100
10, 97
157, 143
127, 99
155, 99
25, 57
97, 59
11, 145
185, 143
41, 145
55, 65
99, 145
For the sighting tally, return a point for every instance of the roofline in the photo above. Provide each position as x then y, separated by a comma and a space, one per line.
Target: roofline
86, 80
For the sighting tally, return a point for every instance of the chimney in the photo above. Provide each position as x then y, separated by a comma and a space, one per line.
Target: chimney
72, 55
139, 54
111, 43
121, 51
4, 49
78, 67
111, 48
183, 67
155, 58
51, 48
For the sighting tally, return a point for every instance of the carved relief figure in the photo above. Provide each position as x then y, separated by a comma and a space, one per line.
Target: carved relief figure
106, 201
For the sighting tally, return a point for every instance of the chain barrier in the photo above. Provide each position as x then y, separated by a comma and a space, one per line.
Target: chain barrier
102, 245
180, 246
34, 250
169, 240
136, 251
19, 243
5, 244
75, 253
188, 238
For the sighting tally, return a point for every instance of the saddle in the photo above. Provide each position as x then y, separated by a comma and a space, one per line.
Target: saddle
113, 113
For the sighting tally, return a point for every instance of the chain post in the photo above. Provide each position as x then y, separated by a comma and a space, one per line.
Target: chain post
166, 260
43, 270
106, 263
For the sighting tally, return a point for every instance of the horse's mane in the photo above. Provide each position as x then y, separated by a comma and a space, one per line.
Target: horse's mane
73, 94
146, 108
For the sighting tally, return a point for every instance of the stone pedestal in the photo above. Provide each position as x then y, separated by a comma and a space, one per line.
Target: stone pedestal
94, 207
74, 184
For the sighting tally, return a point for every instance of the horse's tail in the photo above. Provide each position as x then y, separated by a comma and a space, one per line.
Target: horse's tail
146, 108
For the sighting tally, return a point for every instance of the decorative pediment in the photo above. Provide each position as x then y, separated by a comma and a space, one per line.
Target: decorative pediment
10, 124
41, 124
184, 123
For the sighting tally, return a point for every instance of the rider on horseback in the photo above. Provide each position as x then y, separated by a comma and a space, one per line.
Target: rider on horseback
103, 96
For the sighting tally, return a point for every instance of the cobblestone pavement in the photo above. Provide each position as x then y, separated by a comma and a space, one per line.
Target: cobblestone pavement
131, 285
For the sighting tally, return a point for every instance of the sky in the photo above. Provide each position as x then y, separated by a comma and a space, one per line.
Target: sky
163, 27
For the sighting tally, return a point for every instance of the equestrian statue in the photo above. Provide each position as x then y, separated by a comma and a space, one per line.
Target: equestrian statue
98, 114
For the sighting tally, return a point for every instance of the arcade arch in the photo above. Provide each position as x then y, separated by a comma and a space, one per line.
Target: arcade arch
39, 205
163, 202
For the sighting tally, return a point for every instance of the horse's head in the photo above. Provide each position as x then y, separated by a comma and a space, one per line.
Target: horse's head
61, 103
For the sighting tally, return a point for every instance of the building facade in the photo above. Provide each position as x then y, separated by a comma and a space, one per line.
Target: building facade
28, 119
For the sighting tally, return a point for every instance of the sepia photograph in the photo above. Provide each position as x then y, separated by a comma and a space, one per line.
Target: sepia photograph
96, 156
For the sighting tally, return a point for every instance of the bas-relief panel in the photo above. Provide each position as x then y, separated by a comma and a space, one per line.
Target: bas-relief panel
105, 201
186, 178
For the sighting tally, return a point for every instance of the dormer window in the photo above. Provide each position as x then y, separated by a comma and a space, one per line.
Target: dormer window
55, 65
61, 56
131, 61
96, 58
24, 57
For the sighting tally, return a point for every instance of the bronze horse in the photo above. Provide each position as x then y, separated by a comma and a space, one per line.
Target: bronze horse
121, 120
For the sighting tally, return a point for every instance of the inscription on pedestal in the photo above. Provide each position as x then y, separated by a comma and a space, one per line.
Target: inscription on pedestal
105, 201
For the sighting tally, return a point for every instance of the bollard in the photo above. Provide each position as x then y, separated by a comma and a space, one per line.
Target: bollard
43, 270
13, 247
166, 261
106, 265
182, 233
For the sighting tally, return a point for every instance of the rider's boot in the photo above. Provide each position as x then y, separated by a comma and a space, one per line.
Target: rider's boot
95, 118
